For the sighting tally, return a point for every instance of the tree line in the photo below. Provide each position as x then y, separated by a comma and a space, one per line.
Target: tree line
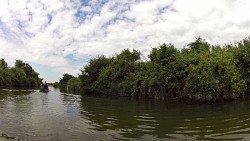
21, 75
200, 71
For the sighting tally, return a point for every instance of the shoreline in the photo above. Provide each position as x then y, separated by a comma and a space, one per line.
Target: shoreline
4, 137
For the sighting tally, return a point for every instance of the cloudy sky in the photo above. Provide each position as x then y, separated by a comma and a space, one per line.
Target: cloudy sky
59, 36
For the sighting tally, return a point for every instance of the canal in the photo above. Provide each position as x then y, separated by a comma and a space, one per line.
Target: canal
55, 116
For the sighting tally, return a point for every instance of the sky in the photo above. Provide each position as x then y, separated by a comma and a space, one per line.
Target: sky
61, 36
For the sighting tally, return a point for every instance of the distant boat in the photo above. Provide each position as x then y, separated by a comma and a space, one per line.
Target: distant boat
43, 90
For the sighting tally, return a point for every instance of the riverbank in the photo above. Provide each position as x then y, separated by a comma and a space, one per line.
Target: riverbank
200, 71
5, 137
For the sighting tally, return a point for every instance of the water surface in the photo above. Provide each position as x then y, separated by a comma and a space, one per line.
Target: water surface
36, 116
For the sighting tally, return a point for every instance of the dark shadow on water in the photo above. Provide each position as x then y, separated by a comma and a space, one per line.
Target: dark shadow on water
132, 119
4, 93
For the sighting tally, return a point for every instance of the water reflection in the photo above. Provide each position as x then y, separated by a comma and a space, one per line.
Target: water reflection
159, 120
6, 93
13, 110
58, 116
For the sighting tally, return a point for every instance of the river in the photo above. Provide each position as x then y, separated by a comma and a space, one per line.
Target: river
55, 116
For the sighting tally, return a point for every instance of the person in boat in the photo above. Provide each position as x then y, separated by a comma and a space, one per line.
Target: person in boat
44, 86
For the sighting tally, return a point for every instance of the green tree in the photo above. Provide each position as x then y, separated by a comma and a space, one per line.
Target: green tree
199, 46
63, 82
91, 72
200, 71
114, 79
74, 85
56, 85
214, 78
3, 64
32, 76
22, 75
242, 55
5, 77
167, 72
20, 64
5, 74
19, 77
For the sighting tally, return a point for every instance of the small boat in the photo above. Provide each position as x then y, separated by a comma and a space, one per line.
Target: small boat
43, 90
44, 86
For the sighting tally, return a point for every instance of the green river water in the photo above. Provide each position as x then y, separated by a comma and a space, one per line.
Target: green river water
55, 116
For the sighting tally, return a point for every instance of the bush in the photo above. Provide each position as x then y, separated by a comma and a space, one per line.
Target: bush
214, 78
73, 85
63, 82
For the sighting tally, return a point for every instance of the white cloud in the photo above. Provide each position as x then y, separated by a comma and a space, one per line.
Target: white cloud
49, 33
86, 8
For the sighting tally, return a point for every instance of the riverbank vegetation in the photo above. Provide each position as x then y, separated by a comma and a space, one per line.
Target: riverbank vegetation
21, 75
200, 71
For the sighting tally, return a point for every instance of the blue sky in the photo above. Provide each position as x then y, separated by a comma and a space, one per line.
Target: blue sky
60, 36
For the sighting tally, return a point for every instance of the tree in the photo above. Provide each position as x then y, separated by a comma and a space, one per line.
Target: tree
114, 79
19, 77
3, 64
199, 46
200, 71
126, 54
167, 74
20, 64
5, 74
32, 76
5, 77
91, 72
63, 82
242, 56
56, 85
214, 78
22, 75
74, 85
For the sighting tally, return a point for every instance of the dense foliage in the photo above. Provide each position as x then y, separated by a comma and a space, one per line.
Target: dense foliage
55, 84
21, 75
200, 72
63, 82
242, 57
73, 85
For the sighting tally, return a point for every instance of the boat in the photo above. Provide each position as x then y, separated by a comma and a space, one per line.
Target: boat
44, 88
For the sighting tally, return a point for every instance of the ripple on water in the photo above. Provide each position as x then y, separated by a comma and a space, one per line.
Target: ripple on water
145, 119
231, 127
52, 116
